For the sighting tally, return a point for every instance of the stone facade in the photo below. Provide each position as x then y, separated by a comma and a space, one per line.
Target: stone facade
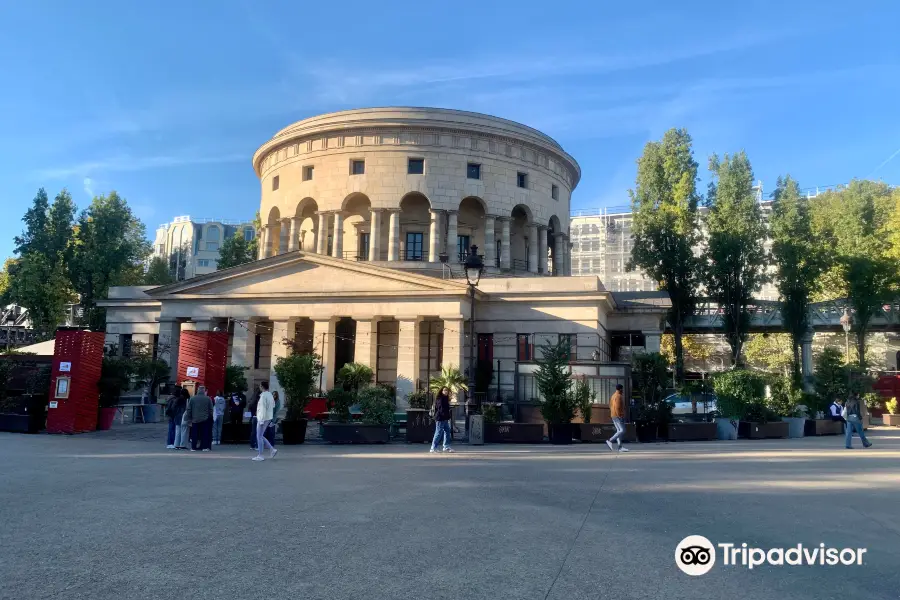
191, 246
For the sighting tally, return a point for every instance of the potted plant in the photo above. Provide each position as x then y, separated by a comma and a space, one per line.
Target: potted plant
652, 413
115, 375
758, 422
874, 404
451, 378
583, 397
149, 371
735, 391
297, 374
377, 405
419, 424
554, 383
892, 416
785, 400
355, 375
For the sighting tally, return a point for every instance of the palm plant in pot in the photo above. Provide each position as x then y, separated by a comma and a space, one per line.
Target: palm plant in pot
354, 376
554, 382
297, 374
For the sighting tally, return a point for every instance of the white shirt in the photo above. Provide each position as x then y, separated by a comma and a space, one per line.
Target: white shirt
265, 409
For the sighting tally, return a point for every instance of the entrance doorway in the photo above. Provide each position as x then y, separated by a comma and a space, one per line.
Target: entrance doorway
345, 342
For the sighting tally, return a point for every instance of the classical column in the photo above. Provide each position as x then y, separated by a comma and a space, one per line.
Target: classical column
269, 240
452, 235
243, 344
394, 234
366, 345
169, 337
283, 333
322, 239
337, 238
261, 243
652, 340
284, 236
504, 244
434, 246
532, 248
558, 261
490, 252
375, 235
454, 348
542, 249
407, 357
323, 344
294, 235
568, 257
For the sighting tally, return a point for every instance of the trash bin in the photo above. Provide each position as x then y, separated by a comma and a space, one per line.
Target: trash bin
476, 430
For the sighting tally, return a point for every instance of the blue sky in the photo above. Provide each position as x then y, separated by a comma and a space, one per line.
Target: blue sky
165, 102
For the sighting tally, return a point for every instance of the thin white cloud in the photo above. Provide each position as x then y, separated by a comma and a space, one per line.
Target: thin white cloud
884, 162
89, 187
124, 163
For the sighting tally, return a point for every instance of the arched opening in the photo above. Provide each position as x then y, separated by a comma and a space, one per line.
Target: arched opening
470, 226
415, 220
308, 228
273, 232
552, 230
357, 226
518, 237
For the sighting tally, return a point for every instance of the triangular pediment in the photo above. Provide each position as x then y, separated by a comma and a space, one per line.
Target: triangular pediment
308, 274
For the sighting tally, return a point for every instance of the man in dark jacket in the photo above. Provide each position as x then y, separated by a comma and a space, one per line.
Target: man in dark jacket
199, 415
171, 409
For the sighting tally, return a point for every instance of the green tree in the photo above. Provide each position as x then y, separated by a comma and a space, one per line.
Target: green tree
147, 368
665, 226
297, 374
831, 375
110, 249
235, 251
4, 280
800, 259
158, 272
554, 381
771, 352
35, 235
235, 379
854, 221
736, 259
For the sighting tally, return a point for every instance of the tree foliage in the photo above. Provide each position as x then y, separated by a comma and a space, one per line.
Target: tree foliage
298, 375
110, 249
800, 259
355, 375
236, 251
693, 348
158, 272
665, 226
736, 258
147, 368
451, 378
770, 352
554, 382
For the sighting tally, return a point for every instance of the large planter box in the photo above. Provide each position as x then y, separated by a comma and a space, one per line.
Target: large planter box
419, 426
647, 432
356, 433
757, 431
513, 433
238, 433
561, 434
293, 432
796, 426
688, 432
598, 433
823, 427
892, 420
19, 423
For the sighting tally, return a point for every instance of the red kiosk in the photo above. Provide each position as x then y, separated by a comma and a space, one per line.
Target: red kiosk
201, 360
77, 361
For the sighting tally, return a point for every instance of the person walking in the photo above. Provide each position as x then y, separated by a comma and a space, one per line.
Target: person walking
442, 421
265, 412
853, 414
218, 417
617, 413
182, 431
199, 415
171, 408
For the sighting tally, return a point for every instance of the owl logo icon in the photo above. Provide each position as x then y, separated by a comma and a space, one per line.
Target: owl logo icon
695, 555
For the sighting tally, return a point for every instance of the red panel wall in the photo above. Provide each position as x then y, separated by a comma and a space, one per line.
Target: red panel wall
84, 351
208, 352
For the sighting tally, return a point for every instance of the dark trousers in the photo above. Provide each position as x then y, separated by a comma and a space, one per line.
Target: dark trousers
170, 438
235, 418
253, 432
201, 433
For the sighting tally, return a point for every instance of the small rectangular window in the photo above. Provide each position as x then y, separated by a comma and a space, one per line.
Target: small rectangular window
416, 166
522, 180
554, 192
212, 246
308, 173
203, 262
357, 167
523, 346
275, 183
414, 246
473, 171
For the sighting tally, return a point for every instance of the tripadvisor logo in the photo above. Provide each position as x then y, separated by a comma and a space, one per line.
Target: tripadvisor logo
696, 555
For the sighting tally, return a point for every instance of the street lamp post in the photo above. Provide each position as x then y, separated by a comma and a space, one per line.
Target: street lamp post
474, 266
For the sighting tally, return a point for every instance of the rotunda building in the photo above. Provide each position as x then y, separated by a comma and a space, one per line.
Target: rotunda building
412, 188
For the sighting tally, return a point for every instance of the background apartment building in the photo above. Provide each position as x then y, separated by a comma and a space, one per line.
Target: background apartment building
192, 245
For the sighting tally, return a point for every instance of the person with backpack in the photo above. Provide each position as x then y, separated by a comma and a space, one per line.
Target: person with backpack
199, 415
171, 410
853, 414
442, 421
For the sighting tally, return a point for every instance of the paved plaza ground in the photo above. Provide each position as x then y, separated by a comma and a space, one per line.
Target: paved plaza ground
115, 515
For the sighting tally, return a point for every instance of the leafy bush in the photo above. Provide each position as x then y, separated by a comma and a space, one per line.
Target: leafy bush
584, 398
298, 375
417, 399
491, 413
786, 398
815, 403
339, 402
650, 376
554, 382
736, 391
758, 412
377, 405
355, 375
235, 379
830, 375
891, 406
872, 400
115, 376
